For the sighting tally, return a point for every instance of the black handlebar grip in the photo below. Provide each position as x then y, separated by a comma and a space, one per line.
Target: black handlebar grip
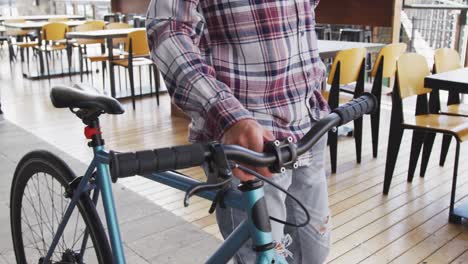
148, 161
365, 104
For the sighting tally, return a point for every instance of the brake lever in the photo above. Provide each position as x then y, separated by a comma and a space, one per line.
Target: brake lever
204, 187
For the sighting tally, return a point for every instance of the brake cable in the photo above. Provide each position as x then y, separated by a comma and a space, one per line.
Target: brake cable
265, 179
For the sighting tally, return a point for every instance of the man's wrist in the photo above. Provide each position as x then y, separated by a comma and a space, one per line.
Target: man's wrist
224, 114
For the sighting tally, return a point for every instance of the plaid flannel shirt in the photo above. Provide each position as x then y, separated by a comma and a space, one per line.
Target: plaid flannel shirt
229, 60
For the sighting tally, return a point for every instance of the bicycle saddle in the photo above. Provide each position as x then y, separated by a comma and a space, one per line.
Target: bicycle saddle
83, 97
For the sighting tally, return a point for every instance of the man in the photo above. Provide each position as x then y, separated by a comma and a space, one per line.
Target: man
246, 72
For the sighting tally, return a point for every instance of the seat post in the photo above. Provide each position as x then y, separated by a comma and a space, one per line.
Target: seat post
93, 132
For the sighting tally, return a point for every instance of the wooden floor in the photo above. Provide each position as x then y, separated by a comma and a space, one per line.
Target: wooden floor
408, 226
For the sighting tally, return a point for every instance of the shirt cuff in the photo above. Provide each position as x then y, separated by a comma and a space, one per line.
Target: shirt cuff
223, 114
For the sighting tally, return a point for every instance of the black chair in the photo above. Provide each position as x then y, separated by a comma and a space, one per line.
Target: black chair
111, 18
323, 32
352, 34
411, 70
348, 67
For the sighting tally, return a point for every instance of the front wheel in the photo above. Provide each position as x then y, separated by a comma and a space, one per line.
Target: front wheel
38, 202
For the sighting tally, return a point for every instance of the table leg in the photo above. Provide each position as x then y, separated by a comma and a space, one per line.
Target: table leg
103, 50
434, 102
111, 67
454, 98
456, 214
69, 59
434, 108
41, 57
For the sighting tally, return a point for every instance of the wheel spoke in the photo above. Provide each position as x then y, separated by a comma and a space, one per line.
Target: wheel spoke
32, 234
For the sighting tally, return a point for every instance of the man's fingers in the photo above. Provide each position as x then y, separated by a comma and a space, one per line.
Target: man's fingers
265, 172
248, 134
243, 177
268, 136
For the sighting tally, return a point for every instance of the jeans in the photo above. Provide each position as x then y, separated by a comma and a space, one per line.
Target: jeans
310, 244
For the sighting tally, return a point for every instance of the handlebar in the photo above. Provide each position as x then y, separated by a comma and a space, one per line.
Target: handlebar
182, 157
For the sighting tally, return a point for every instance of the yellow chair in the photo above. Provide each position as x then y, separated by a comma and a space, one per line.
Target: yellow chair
445, 60
348, 68
83, 44
98, 23
386, 60
103, 56
384, 68
411, 71
19, 34
53, 38
89, 27
117, 41
13, 32
138, 52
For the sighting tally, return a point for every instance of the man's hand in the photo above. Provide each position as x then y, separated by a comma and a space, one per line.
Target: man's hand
249, 134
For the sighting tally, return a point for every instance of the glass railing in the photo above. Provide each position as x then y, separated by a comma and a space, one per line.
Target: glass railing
8, 8
432, 24
92, 9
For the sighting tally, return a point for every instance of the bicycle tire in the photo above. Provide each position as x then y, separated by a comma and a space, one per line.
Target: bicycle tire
33, 165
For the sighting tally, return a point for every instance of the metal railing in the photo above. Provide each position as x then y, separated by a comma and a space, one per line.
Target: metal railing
92, 9
8, 8
433, 24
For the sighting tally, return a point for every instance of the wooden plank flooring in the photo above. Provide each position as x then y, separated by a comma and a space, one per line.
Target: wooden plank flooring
408, 226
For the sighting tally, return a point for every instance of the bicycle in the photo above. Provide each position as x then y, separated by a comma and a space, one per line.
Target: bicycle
71, 201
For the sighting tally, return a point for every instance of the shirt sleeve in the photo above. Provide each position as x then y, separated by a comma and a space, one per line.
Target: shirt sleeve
174, 29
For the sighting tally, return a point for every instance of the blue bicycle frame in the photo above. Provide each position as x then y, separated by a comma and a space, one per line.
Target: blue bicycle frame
256, 226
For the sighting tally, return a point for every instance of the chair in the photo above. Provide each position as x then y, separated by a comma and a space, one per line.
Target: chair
348, 67
118, 41
53, 40
82, 44
103, 56
446, 59
98, 23
112, 18
323, 32
384, 67
138, 51
139, 21
411, 71
21, 37
355, 34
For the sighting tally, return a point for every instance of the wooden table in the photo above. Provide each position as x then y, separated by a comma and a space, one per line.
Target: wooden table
329, 48
37, 26
107, 34
41, 17
455, 82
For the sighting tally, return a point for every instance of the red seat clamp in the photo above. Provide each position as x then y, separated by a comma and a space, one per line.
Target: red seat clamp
91, 131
